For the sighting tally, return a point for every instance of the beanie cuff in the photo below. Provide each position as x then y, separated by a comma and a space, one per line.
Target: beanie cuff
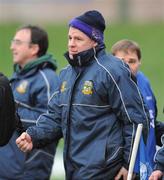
91, 32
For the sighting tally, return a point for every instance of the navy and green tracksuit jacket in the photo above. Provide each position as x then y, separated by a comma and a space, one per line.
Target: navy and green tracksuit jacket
32, 87
96, 109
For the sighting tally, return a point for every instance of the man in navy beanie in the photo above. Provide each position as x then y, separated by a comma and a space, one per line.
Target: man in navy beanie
97, 108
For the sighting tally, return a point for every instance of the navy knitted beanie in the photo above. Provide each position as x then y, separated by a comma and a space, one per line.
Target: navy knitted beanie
91, 23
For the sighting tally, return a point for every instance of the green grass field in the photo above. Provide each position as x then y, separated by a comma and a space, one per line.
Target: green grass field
150, 37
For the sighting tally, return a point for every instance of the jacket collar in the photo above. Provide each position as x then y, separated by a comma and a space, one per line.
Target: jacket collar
43, 61
83, 58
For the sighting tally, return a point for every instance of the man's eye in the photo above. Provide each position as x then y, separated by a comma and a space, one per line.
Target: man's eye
79, 39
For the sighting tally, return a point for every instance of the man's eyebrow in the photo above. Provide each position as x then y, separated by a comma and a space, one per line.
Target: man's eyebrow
131, 59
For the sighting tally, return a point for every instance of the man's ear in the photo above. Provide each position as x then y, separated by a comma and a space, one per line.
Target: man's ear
35, 49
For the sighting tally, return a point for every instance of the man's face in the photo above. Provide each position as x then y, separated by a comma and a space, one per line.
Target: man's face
131, 59
21, 47
78, 42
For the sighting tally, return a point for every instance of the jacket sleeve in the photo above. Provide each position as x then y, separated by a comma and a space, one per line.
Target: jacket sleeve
159, 157
43, 88
127, 104
48, 126
159, 131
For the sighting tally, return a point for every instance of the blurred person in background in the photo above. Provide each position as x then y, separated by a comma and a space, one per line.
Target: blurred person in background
158, 172
130, 52
33, 82
92, 110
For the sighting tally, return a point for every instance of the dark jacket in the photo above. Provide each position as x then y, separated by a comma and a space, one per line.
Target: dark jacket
97, 109
159, 158
32, 87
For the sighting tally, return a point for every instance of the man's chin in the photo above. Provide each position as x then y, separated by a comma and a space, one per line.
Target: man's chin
16, 61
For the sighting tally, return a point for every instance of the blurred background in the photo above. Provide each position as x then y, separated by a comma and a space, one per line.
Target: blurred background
138, 20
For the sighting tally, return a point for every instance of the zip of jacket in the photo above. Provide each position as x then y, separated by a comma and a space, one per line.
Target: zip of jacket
69, 113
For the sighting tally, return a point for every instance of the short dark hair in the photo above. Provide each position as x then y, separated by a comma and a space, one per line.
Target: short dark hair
38, 36
126, 45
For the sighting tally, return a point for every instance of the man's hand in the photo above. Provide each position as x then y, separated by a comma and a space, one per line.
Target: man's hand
24, 142
156, 175
122, 174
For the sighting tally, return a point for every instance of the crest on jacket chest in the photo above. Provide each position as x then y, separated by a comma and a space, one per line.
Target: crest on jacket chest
63, 86
87, 88
21, 88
